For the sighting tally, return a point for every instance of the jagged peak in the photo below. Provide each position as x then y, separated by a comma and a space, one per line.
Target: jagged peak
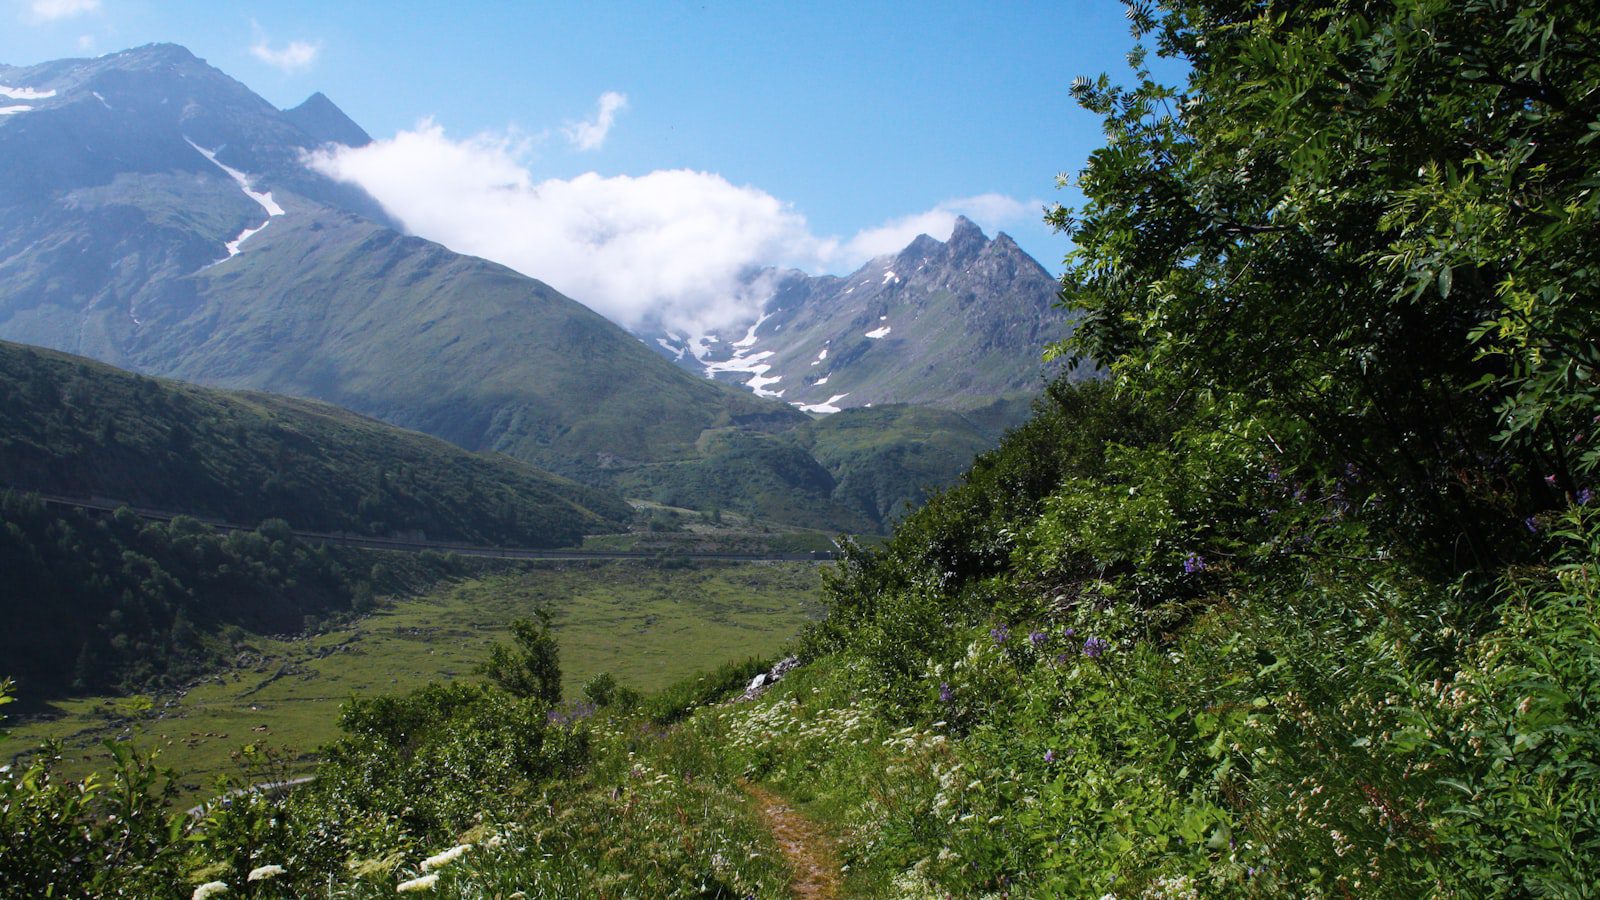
1003, 241
966, 229
922, 245
321, 118
966, 239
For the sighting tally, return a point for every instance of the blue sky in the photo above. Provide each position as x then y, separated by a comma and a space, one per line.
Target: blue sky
854, 116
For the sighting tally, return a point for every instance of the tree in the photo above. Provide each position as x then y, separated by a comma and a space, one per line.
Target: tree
530, 668
1366, 236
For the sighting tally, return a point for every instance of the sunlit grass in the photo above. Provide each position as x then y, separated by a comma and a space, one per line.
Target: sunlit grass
649, 626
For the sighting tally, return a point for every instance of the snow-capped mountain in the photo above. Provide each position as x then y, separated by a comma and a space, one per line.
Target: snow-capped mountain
947, 323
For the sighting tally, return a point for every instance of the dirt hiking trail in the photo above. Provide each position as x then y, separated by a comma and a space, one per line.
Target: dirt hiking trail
809, 851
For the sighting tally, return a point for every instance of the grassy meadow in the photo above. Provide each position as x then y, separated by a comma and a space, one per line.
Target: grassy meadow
647, 625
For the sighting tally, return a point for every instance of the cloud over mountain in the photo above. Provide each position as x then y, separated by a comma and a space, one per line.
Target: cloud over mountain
670, 247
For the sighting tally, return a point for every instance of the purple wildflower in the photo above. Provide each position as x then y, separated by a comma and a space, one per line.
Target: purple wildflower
1195, 563
1000, 633
1063, 658
1037, 638
1584, 496
1050, 756
946, 694
1532, 524
1070, 632
1093, 647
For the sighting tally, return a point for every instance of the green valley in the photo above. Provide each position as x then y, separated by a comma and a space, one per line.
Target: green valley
645, 625
1298, 596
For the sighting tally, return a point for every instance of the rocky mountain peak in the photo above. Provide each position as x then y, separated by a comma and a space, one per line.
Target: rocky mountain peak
966, 239
921, 246
159, 52
320, 118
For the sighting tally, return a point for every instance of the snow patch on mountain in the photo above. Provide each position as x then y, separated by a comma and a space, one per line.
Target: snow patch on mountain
12, 93
828, 406
878, 333
754, 366
13, 110
243, 180
264, 200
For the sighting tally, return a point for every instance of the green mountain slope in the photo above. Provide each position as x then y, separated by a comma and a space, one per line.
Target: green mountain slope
120, 238
329, 305
157, 215
79, 428
854, 471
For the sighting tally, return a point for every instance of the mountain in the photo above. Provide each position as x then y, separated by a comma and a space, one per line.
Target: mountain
318, 117
947, 323
857, 470
157, 215
80, 428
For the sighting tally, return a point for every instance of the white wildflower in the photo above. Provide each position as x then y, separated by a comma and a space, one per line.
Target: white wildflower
262, 873
209, 889
439, 860
425, 883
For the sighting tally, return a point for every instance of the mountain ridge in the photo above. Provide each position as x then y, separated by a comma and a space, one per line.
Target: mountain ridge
940, 323
159, 216
190, 240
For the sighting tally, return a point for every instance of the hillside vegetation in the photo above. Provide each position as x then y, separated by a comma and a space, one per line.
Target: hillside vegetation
118, 603
645, 624
856, 471
83, 429
1301, 601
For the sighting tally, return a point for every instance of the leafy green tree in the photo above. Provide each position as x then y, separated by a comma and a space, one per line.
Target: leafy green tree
532, 666
1365, 235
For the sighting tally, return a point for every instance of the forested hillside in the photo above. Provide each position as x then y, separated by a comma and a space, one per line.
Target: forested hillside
116, 603
1301, 601
83, 429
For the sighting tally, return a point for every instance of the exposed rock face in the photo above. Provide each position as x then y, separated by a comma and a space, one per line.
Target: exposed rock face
950, 323
760, 683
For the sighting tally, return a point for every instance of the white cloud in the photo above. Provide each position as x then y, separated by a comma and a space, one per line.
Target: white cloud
592, 135
669, 246
296, 56
85, 43
673, 248
55, 10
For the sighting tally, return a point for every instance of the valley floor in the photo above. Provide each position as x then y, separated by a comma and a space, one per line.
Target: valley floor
648, 626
